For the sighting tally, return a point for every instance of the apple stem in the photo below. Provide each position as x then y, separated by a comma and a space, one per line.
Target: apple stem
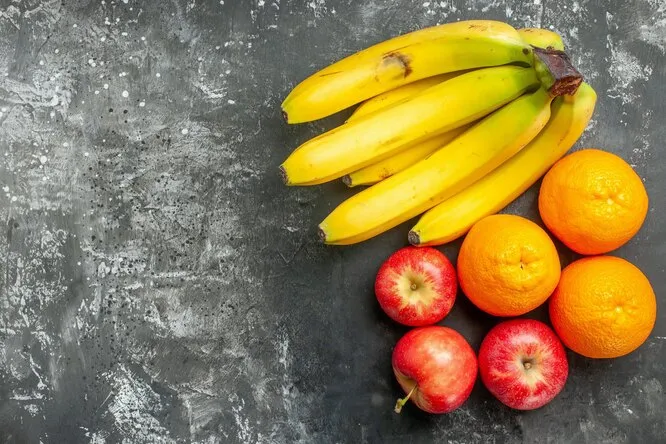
402, 401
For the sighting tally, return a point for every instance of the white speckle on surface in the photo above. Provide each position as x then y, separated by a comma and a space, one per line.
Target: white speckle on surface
625, 69
97, 438
106, 86
318, 7
32, 409
231, 102
158, 75
125, 94
653, 30
42, 159
244, 430
441, 9
655, 34
131, 403
142, 104
184, 131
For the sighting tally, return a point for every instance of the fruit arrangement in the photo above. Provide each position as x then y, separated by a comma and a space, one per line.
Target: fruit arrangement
451, 124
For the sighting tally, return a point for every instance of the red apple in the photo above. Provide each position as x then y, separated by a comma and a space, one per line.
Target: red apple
523, 363
416, 286
436, 367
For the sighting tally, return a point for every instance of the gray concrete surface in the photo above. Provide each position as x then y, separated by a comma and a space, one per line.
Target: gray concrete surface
160, 285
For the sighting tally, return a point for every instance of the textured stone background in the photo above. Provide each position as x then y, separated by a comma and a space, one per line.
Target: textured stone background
159, 284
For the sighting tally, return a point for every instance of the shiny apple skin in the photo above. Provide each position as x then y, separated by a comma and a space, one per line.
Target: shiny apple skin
504, 353
440, 362
434, 292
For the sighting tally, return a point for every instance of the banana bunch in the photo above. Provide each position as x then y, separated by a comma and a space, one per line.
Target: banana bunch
453, 123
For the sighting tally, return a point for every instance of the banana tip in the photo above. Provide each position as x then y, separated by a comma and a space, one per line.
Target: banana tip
322, 234
285, 115
283, 175
414, 238
346, 179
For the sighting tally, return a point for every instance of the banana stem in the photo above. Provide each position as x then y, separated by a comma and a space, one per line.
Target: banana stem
556, 72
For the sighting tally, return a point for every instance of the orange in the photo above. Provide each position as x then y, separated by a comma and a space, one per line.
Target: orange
508, 265
603, 307
593, 201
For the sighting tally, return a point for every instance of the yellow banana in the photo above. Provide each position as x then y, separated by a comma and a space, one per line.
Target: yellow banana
397, 95
410, 155
381, 134
455, 216
400, 60
434, 179
543, 38
403, 159
371, 174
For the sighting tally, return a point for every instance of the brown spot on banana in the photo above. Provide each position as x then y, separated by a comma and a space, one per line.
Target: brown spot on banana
400, 60
332, 73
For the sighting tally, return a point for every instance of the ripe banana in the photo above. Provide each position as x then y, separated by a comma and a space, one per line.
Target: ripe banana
438, 109
404, 159
455, 216
542, 38
469, 157
394, 96
371, 174
405, 59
